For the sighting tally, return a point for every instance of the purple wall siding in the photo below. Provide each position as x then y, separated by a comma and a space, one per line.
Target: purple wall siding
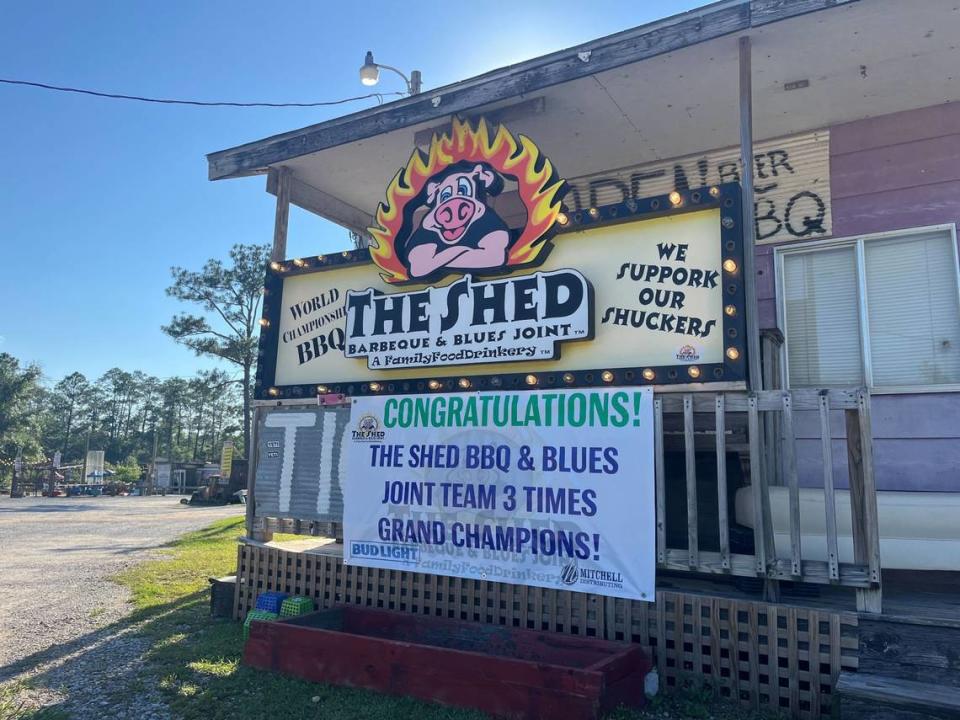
895, 128
920, 465
896, 171
898, 209
889, 173
917, 417
915, 443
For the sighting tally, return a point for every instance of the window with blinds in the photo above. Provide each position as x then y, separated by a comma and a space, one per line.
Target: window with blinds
878, 311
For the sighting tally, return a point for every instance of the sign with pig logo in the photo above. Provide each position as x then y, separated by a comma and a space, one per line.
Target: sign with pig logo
477, 276
438, 216
439, 219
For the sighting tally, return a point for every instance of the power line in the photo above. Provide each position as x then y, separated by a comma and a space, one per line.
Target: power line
199, 103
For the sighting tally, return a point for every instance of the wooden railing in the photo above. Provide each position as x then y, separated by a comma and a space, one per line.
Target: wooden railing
758, 428
733, 421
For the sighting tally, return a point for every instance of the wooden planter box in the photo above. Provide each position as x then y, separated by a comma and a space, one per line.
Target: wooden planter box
501, 670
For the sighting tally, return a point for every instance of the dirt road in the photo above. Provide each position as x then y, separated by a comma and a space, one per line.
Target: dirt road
56, 559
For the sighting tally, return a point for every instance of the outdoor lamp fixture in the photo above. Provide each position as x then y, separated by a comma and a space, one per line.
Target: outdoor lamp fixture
370, 75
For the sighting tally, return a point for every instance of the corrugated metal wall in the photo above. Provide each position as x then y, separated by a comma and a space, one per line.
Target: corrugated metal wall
301, 463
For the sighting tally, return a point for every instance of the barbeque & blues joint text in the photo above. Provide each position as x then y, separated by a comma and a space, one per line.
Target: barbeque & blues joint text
469, 321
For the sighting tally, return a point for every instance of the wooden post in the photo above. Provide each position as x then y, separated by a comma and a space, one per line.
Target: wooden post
253, 457
690, 461
722, 499
278, 253
282, 174
790, 473
758, 469
749, 231
764, 547
661, 480
863, 501
829, 495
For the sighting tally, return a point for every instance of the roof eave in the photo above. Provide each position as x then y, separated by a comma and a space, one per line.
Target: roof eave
630, 46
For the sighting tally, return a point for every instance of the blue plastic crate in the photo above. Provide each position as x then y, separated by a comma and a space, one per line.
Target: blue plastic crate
271, 601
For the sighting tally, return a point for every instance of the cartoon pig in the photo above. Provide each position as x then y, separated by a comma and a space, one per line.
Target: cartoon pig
459, 230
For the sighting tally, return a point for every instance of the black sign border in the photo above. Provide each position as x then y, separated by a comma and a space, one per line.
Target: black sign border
725, 197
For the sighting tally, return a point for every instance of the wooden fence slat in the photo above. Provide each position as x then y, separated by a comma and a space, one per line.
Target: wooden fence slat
661, 489
870, 512
723, 520
793, 657
863, 501
789, 456
693, 541
661, 620
753, 643
696, 632
813, 661
757, 488
773, 668
733, 623
829, 495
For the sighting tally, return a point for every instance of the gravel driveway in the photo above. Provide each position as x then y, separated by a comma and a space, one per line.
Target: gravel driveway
56, 558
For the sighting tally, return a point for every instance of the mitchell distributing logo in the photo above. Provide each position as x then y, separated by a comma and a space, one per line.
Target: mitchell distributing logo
571, 574
368, 430
688, 353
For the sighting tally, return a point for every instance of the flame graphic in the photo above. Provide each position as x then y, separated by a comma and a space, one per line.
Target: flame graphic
539, 188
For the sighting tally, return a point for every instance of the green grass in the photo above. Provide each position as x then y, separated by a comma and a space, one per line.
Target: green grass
195, 661
13, 705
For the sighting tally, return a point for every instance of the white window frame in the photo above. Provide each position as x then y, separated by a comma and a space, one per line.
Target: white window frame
857, 242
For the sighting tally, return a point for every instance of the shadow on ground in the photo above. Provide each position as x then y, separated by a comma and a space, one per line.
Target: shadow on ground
193, 663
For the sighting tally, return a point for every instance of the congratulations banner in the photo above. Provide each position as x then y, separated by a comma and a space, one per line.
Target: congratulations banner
548, 488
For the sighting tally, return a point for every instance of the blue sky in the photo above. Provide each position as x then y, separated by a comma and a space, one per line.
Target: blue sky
101, 197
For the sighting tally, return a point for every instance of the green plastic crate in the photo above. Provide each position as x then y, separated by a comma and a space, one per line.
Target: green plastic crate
296, 605
256, 615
